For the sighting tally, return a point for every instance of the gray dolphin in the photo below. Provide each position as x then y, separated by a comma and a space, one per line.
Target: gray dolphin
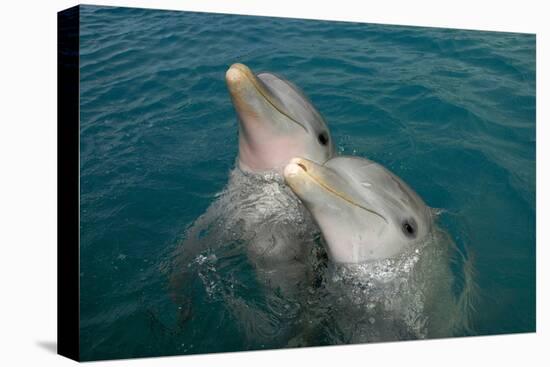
365, 212
390, 276
257, 214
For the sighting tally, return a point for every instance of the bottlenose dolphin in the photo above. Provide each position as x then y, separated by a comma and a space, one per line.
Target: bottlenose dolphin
256, 213
276, 121
364, 211
390, 276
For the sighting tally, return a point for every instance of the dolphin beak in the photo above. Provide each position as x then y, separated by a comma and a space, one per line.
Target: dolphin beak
242, 84
249, 103
300, 172
248, 93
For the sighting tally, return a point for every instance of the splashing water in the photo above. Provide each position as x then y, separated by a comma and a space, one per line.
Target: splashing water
256, 229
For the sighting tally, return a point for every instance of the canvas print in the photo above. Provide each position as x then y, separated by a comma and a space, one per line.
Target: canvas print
251, 183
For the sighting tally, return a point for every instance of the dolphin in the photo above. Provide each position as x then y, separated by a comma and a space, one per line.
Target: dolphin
276, 121
391, 276
257, 214
364, 211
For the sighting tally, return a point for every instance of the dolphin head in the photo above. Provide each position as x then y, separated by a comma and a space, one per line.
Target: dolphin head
364, 211
276, 121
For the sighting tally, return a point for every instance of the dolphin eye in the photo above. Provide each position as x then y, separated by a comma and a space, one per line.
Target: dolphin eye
409, 228
323, 138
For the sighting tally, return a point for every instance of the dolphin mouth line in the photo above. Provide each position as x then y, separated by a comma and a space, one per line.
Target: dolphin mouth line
338, 194
261, 89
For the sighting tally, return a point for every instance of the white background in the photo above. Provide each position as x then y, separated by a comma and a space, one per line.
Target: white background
28, 182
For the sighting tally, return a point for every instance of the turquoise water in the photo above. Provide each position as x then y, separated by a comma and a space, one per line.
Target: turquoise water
451, 112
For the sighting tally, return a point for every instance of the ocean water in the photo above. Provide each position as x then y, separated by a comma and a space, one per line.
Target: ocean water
452, 112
